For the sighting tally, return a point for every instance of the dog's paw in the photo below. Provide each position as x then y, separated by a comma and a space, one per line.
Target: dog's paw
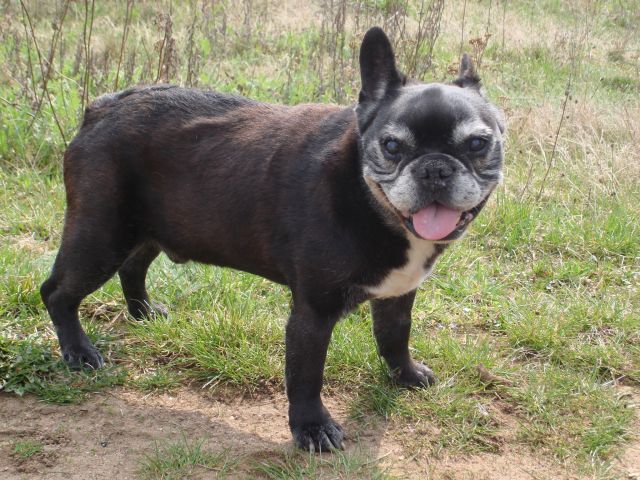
142, 310
415, 375
158, 309
319, 437
83, 355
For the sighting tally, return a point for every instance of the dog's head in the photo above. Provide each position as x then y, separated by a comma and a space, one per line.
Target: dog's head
431, 153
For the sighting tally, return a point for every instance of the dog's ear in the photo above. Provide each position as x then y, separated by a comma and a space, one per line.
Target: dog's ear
377, 66
467, 76
500, 120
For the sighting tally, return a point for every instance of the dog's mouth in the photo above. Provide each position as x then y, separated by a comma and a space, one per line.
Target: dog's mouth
437, 222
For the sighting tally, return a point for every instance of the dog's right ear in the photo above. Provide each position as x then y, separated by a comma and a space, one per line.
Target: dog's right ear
467, 76
377, 66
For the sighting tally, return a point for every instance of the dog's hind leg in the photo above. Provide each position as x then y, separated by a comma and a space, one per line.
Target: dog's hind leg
94, 245
133, 273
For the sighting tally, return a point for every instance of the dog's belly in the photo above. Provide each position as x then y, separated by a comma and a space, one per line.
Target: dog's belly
399, 281
244, 259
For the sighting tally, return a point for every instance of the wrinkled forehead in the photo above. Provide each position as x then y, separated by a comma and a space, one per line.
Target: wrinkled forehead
445, 112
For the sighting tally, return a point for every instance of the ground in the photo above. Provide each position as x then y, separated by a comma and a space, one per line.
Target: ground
119, 431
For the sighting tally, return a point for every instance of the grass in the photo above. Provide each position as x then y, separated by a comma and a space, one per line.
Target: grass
28, 366
297, 465
182, 459
185, 458
544, 291
25, 449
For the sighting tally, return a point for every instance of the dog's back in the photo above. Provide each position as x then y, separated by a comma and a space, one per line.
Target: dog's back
174, 165
158, 99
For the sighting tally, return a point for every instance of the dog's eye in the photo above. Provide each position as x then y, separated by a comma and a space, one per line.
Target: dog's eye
392, 146
477, 144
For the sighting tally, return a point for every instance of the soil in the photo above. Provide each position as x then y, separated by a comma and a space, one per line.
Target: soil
628, 463
108, 435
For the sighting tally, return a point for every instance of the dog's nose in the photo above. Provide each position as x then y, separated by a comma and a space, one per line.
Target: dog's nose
438, 171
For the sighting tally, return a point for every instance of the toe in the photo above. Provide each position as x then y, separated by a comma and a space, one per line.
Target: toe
336, 436
325, 437
416, 375
84, 356
93, 360
159, 309
324, 443
428, 378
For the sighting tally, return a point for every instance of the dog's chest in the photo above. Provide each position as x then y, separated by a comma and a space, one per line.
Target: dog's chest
420, 258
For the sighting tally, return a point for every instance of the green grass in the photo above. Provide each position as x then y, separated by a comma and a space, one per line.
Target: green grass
544, 291
29, 366
157, 380
25, 449
549, 402
299, 466
183, 458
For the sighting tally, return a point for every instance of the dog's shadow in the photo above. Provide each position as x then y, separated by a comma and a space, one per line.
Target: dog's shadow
369, 409
125, 429
255, 428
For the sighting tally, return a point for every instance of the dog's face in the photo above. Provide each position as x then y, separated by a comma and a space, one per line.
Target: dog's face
431, 153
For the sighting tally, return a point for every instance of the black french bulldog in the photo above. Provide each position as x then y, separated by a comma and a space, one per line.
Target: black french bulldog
342, 205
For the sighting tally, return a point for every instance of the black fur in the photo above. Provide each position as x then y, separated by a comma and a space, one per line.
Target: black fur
273, 190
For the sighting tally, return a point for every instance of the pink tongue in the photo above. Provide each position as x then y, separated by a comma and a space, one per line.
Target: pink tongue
435, 221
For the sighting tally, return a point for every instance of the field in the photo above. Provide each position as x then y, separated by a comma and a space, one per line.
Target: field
531, 323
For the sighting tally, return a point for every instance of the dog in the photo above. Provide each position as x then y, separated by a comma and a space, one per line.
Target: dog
342, 205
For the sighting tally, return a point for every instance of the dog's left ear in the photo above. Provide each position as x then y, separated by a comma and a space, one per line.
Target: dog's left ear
377, 66
467, 76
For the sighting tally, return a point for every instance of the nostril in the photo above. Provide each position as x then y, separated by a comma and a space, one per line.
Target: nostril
446, 171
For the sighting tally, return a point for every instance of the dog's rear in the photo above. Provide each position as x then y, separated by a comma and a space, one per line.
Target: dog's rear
105, 223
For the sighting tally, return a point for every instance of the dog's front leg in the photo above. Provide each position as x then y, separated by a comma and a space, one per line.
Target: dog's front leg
307, 339
392, 327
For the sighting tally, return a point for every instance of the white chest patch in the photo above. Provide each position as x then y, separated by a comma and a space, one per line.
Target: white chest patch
402, 280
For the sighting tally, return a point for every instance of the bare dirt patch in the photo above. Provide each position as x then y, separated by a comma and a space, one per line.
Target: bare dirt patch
628, 463
112, 432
